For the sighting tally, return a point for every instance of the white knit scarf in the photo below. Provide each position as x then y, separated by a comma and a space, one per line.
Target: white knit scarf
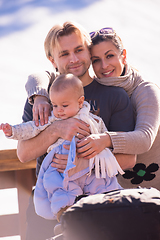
105, 161
128, 82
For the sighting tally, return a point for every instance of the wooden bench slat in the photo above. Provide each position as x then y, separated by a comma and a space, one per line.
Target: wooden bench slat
9, 225
9, 161
23, 180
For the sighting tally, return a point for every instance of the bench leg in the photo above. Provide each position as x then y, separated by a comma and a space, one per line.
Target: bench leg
25, 180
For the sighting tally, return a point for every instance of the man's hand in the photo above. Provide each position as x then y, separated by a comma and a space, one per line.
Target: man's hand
41, 109
91, 145
68, 128
60, 162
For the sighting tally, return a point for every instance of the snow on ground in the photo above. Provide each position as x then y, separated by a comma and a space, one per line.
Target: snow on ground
25, 23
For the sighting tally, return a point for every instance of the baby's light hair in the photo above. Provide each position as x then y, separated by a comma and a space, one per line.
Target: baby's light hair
66, 81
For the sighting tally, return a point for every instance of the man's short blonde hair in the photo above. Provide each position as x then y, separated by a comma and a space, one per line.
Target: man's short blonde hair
57, 31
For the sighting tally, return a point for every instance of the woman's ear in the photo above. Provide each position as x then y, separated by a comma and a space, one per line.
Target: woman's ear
124, 55
80, 101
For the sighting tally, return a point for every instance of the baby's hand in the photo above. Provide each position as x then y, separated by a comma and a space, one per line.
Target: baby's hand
7, 129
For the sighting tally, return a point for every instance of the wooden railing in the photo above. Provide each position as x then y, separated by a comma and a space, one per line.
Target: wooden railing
14, 174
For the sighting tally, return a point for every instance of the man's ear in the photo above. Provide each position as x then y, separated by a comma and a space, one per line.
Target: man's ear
124, 55
53, 62
80, 101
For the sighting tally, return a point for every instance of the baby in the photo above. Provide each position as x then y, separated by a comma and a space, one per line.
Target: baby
55, 191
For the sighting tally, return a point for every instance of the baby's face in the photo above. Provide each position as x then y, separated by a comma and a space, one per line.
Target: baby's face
65, 103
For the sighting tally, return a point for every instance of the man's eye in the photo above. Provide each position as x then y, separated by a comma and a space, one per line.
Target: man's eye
79, 50
63, 54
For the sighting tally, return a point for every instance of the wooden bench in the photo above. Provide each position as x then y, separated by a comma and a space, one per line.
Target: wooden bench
14, 174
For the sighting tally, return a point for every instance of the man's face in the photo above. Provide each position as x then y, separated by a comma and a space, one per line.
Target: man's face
72, 56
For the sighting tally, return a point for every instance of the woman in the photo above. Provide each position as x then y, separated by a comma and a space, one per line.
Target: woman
109, 63
111, 68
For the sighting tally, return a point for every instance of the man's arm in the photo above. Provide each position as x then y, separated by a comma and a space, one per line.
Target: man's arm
30, 149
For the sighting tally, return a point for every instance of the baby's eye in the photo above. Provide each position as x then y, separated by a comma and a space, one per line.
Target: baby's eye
54, 106
65, 106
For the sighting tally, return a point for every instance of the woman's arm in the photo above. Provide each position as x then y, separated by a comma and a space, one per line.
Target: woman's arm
146, 102
41, 110
98, 142
126, 160
37, 84
37, 87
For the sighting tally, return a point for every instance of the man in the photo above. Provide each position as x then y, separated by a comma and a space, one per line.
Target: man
67, 48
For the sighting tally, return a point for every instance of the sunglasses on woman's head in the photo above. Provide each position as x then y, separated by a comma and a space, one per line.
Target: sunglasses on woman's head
103, 31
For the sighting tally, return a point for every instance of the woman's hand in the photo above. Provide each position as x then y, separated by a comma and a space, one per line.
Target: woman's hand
41, 109
90, 146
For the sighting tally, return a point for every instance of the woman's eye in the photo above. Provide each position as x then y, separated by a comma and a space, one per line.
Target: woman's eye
110, 55
95, 60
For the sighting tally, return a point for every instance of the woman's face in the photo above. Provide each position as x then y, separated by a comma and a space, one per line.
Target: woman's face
107, 60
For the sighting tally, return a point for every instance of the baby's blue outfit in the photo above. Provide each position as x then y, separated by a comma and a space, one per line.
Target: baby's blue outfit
54, 190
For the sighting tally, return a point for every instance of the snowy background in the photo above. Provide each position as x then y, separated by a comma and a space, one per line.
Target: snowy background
24, 25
